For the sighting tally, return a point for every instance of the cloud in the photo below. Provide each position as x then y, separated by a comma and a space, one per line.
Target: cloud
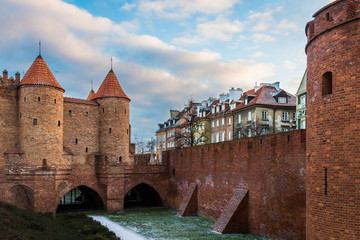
185, 8
290, 65
287, 25
128, 6
258, 55
263, 38
220, 29
154, 74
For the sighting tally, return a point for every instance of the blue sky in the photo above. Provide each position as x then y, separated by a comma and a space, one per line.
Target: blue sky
165, 51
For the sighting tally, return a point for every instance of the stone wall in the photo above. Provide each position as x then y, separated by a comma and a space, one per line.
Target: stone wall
271, 168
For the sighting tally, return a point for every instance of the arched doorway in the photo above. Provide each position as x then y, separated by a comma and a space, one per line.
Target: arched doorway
80, 198
142, 195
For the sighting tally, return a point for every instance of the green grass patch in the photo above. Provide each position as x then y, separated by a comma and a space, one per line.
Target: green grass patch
18, 224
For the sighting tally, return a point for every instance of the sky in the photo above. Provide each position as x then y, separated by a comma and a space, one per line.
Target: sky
165, 52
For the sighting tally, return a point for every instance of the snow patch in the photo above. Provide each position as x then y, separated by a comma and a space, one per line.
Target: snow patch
119, 231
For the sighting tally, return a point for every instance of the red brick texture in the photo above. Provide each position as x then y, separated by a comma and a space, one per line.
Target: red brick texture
188, 206
271, 167
234, 218
333, 122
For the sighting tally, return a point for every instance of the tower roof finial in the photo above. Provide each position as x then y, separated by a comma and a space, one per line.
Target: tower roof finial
92, 86
39, 48
111, 64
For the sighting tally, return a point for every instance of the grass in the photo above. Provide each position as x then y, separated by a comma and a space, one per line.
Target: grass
18, 224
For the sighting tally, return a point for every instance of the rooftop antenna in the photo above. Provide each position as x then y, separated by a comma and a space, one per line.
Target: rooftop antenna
39, 48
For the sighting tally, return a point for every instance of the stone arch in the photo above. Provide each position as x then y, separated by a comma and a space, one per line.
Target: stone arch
94, 191
128, 187
21, 196
142, 194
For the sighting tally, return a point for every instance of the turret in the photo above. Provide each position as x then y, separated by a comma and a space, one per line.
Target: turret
41, 115
114, 121
333, 147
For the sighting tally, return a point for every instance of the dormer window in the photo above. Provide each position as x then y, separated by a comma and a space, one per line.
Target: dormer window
246, 101
217, 109
222, 107
213, 110
281, 99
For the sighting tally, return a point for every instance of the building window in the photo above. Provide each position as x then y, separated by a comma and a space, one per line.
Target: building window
229, 121
127, 131
59, 124
285, 116
246, 101
218, 109
264, 115
86, 149
328, 18
55, 101
223, 136
213, 124
249, 132
303, 101
285, 129
103, 110
239, 118
264, 131
303, 124
109, 130
222, 121
327, 83
38, 99
229, 136
35, 121
120, 159
217, 122
294, 116
281, 99
24, 99
70, 112
249, 116
213, 110
217, 137
212, 138
86, 114
125, 111
106, 158
76, 141
223, 108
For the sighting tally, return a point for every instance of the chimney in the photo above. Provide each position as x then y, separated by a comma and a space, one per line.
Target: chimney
235, 94
223, 97
17, 76
5, 74
173, 113
276, 85
190, 104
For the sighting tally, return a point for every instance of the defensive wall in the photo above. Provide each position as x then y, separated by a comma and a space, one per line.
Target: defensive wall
269, 169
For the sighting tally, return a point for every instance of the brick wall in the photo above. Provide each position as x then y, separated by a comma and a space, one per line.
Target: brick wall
333, 123
271, 167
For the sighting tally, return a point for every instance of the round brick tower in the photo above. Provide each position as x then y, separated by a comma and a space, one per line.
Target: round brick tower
41, 115
333, 122
114, 120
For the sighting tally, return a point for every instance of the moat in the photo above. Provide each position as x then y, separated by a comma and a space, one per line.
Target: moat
163, 224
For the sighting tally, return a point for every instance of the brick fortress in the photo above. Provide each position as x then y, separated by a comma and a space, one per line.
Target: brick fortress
51, 144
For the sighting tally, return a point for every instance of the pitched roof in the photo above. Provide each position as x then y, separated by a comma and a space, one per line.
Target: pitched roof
91, 95
81, 101
264, 95
110, 87
40, 74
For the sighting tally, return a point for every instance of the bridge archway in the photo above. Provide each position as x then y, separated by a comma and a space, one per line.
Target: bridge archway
142, 195
80, 198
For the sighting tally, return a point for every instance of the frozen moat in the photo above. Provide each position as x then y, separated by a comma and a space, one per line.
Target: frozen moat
163, 224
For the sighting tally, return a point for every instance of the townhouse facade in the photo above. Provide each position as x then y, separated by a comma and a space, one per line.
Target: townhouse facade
301, 104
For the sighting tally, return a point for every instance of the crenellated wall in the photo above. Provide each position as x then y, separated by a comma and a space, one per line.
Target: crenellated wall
271, 168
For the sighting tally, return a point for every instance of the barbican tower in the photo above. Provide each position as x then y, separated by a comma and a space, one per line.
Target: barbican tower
114, 121
41, 116
333, 122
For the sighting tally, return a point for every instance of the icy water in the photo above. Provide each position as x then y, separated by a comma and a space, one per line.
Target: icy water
164, 224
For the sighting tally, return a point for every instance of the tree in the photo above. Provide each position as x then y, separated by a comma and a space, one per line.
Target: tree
251, 130
186, 137
144, 146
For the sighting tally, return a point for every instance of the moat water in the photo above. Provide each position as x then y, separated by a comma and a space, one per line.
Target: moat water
163, 224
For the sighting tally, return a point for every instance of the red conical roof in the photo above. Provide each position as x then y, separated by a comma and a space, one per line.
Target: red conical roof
91, 95
110, 87
40, 74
